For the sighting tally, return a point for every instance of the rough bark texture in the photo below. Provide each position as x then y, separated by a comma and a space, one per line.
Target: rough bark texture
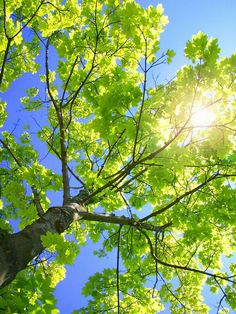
17, 250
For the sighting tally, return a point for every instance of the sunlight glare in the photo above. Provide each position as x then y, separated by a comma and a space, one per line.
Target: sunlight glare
202, 118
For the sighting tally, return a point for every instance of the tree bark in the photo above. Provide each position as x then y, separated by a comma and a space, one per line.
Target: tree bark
18, 249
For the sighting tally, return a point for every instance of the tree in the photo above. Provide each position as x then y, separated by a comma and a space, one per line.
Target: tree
123, 144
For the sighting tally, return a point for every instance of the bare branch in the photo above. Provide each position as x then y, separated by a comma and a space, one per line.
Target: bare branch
119, 220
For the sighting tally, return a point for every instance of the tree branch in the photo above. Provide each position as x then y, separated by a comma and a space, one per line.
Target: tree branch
35, 192
178, 199
118, 270
10, 39
142, 101
182, 267
83, 214
62, 129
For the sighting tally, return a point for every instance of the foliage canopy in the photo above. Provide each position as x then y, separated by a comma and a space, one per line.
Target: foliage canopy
131, 148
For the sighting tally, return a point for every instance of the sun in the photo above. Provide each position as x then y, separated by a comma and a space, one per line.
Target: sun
202, 118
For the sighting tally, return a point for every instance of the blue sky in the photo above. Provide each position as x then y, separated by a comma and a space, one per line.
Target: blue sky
214, 17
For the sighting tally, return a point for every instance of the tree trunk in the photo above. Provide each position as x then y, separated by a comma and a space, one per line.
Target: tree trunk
17, 250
